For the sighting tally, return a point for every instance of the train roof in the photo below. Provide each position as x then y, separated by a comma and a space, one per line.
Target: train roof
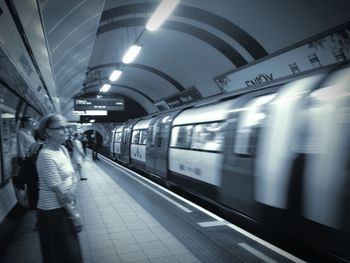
209, 113
142, 124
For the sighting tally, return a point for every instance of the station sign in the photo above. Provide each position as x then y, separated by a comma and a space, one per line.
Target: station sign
107, 104
181, 98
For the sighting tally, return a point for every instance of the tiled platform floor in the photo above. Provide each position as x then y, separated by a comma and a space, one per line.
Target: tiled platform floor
116, 228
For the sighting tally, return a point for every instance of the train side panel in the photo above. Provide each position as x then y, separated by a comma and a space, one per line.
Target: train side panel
202, 166
195, 154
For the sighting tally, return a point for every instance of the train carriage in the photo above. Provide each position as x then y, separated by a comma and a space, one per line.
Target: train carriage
278, 155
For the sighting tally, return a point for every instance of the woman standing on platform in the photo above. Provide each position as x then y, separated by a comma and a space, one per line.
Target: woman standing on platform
58, 221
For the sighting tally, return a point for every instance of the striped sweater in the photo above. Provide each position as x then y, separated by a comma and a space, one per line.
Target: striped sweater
54, 168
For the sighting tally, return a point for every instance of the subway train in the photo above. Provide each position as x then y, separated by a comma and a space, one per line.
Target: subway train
277, 155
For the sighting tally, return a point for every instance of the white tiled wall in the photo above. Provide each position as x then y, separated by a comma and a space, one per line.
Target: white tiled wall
7, 200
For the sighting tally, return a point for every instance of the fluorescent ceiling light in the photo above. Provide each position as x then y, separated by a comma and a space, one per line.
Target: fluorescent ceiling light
162, 12
115, 75
105, 87
131, 54
7, 116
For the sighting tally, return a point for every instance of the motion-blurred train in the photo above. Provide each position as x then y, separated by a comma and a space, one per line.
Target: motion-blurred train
279, 155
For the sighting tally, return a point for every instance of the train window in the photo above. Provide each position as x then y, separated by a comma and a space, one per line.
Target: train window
135, 137
143, 136
249, 122
208, 137
181, 136
124, 135
118, 137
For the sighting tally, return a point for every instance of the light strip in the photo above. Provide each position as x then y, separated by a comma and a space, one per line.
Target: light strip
162, 12
7, 116
131, 54
105, 87
96, 112
115, 75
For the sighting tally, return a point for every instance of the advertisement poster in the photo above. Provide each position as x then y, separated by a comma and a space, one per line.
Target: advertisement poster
8, 145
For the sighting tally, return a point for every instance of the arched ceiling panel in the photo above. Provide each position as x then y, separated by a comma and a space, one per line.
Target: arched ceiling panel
228, 51
155, 87
199, 41
194, 13
155, 71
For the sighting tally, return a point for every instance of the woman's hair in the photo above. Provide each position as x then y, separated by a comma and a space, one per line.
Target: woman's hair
45, 122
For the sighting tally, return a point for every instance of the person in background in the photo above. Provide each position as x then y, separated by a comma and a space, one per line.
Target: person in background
84, 140
24, 138
94, 145
78, 155
58, 220
68, 143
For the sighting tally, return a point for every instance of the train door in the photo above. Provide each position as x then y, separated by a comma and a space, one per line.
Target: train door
150, 148
138, 144
111, 147
159, 144
238, 180
162, 139
117, 142
160, 148
126, 140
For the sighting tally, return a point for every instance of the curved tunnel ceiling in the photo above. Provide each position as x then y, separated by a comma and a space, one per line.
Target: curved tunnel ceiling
212, 40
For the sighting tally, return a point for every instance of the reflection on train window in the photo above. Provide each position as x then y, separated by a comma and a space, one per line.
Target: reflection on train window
249, 122
154, 132
119, 137
181, 136
143, 136
124, 136
208, 137
135, 137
